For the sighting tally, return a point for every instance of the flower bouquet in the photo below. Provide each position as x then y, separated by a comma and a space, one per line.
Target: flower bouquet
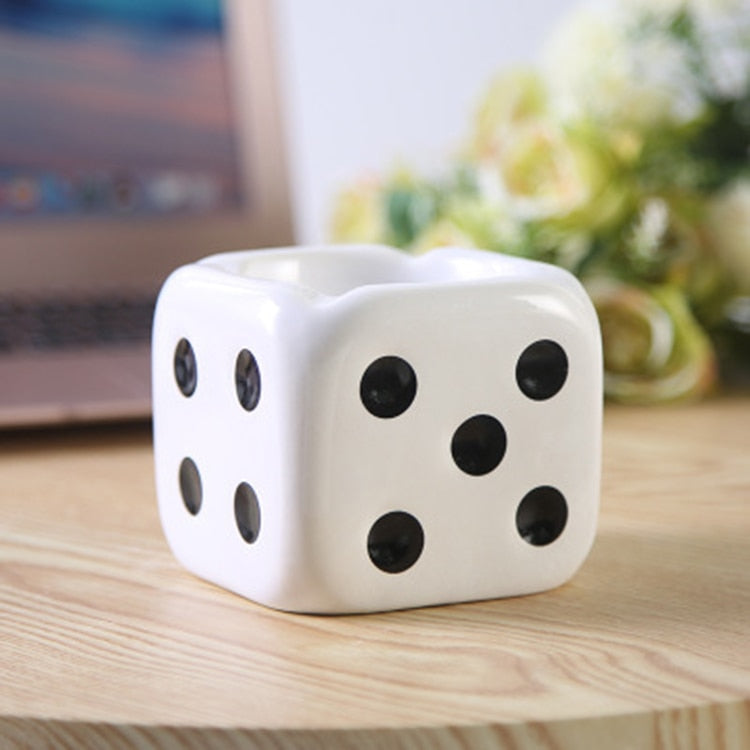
625, 159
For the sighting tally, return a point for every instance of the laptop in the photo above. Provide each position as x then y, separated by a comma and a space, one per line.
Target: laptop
134, 137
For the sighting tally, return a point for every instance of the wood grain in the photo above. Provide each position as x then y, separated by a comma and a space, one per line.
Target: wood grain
106, 642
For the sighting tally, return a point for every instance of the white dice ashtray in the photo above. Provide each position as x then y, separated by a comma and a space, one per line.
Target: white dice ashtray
352, 429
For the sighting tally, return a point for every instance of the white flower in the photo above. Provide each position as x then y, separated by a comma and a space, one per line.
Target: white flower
619, 62
358, 214
724, 28
650, 229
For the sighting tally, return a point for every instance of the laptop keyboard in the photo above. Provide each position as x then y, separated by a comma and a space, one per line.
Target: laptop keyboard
58, 324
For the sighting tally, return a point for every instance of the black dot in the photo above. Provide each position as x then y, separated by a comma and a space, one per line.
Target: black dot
388, 387
542, 515
247, 380
247, 512
190, 486
542, 369
395, 542
479, 444
185, 367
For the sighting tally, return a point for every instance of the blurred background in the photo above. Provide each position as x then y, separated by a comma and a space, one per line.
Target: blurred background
367, 85
609, 138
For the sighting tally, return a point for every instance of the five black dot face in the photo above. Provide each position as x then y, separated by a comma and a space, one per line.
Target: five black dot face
542, 369
185, 367
395, 542
388, 387
478, 445
247, 380
542, 515
247, 512
191, 488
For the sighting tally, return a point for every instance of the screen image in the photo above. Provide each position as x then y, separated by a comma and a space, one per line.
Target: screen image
115, 107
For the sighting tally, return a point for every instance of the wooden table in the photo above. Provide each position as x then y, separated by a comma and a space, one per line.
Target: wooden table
106, 642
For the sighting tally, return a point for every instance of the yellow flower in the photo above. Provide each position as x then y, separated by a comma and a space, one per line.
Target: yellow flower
443, 233
358, 214
654, 349
523, 158
536, 168
512, 99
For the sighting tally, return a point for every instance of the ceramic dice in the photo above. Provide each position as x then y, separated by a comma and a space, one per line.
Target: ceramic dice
352, 429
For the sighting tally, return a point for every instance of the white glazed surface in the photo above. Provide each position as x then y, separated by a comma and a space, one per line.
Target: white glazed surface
325, 469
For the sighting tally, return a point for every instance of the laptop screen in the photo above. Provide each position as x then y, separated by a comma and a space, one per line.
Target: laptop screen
135, 136
115, 108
